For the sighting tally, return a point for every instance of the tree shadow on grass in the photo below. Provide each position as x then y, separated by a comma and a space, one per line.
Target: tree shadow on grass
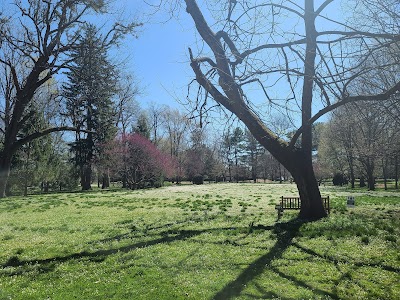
102, 254
285, 233
15, 266
164, 234
336, 261
353, 266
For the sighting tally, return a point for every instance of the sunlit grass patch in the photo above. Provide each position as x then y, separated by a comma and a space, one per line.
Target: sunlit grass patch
218, 241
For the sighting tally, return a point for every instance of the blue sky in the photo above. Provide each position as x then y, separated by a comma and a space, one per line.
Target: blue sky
159, 56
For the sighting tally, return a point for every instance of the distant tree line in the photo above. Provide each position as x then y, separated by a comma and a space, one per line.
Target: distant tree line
70, 117
361, 144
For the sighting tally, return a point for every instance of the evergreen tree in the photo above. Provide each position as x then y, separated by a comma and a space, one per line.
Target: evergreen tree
142, 126
253, 152
92, 80
236, 142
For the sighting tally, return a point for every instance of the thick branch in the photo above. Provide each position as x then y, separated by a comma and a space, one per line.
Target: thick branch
42, 133
322, 7
394, 37
246, 53
265, 136
226, 80
350, 99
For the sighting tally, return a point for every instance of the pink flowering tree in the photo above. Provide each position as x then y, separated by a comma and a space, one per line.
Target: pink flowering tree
139, 162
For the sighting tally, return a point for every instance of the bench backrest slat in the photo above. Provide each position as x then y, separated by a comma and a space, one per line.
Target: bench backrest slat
295, 203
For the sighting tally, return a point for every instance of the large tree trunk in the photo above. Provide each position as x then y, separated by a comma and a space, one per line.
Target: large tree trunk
9, 148
311, 202
307, 185
86, 177
46, 186
5, 166
105, 180
369, 168
371, 180
124, 181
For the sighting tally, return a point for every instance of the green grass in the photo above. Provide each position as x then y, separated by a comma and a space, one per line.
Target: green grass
217, 241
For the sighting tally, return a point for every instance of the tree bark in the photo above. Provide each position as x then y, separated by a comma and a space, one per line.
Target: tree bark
46, 186
5, 166
350, 161
307, 185
86, 177
396, 171
352, 178
371, 181
124, 180
369, 168
303, 173
105, 180
384, 172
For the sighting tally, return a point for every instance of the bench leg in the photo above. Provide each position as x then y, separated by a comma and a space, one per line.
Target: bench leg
280, 211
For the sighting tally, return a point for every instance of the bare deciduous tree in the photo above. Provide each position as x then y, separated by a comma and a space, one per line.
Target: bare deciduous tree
302, 62
127, 108
40, 36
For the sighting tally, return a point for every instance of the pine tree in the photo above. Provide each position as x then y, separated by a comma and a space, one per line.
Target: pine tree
253, 151
142, 126
92, 81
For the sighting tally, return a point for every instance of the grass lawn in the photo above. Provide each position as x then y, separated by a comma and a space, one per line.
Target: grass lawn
214, 241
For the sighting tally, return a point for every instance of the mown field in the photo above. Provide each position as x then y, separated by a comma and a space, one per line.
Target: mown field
215, 241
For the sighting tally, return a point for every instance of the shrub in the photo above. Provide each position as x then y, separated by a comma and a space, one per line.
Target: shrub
339, 179
198, 179
365, 240
159, 183
391, 238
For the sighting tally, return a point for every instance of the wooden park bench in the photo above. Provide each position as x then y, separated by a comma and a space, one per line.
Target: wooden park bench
295, 203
